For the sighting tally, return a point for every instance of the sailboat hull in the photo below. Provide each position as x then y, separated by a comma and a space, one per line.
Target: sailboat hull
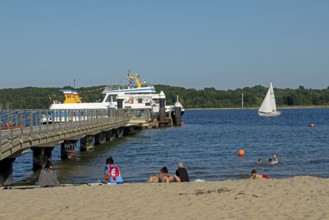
269, 114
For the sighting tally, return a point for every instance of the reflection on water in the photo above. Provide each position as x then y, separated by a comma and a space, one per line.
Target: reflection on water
207, 145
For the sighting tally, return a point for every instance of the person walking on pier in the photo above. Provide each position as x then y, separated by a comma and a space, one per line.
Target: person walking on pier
112, 173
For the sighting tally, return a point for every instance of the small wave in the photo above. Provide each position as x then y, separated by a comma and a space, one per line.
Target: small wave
319, 161
199, 173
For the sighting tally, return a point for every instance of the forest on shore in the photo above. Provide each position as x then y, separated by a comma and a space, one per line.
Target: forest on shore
41, 98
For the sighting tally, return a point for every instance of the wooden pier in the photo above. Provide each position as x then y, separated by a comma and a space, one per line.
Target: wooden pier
42, 130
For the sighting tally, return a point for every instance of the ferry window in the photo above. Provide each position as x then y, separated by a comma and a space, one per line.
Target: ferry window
111, 98
140, 100
103, 97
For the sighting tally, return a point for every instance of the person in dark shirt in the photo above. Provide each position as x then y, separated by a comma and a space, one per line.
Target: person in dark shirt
182, 174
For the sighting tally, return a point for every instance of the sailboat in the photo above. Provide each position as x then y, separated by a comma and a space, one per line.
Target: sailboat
268, 106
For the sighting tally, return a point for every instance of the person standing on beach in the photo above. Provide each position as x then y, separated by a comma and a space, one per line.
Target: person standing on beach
112, 173
48, 176
182, 174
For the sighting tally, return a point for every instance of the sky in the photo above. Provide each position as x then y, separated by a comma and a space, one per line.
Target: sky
224, 44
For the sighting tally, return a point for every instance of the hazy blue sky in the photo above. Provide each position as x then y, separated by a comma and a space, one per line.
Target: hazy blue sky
225, 44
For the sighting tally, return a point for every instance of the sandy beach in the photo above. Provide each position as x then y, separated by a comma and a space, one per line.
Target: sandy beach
292, 198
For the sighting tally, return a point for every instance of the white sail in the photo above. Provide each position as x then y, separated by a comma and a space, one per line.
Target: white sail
268, 106
273, 103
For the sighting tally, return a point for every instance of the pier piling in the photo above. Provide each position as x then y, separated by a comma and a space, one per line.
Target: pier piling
6, 171
111, 134
68, 149
178, 115
100, 138
87, 143
40, 156
162, 110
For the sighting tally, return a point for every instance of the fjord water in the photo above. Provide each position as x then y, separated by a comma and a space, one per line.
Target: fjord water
207, 144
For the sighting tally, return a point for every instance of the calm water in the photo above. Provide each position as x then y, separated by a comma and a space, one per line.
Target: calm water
207, 145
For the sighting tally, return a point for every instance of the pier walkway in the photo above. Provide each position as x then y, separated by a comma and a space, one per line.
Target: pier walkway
42, 130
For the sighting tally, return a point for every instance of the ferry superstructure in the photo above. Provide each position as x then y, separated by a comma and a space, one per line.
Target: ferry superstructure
136, 95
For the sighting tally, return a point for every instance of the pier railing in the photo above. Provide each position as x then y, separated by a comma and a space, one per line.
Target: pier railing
22, 129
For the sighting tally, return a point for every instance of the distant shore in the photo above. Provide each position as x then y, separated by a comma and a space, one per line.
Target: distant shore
285, 107
301, 197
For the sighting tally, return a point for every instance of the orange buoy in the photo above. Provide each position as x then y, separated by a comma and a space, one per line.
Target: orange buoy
241, 153
311, 125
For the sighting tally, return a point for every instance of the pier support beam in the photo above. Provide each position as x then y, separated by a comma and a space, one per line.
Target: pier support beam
87, 143
68, 149
111, 134
162, 110
6, 171
128, 130
40, 156
119, 132
100, 138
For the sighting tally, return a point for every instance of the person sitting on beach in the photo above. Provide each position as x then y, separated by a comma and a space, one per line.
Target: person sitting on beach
112, 173
48, 176
259, 162
164, 176
181, 173
254, 175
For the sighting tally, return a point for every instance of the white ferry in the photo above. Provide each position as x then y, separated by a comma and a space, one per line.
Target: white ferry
136, 95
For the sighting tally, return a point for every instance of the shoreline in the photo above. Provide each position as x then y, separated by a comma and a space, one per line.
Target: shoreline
246, 108
301, 197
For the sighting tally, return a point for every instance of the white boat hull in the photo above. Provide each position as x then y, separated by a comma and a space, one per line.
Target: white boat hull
269, 114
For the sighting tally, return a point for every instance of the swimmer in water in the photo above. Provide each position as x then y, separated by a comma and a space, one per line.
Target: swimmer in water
275, 159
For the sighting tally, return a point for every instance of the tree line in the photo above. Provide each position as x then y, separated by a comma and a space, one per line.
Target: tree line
41, 98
